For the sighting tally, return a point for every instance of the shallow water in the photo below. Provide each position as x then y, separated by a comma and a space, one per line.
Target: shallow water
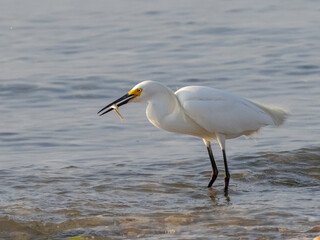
66, 172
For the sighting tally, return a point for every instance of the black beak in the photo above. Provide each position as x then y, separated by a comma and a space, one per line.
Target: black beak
119, 102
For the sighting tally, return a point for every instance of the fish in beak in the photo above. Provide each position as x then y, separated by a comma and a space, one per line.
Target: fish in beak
121, 101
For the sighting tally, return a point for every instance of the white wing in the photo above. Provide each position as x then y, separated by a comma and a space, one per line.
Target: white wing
221, 112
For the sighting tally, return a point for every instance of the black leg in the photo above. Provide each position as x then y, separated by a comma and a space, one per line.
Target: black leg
214, 173
227, 174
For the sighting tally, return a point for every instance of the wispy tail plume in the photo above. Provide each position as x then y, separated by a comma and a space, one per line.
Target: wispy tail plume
278, 114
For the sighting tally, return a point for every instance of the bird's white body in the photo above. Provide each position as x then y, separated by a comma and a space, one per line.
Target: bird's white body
205, 112
202, 112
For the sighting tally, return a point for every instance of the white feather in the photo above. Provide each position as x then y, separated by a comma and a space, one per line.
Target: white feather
205, 112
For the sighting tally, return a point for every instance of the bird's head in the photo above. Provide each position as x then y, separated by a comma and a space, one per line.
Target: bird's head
139, 93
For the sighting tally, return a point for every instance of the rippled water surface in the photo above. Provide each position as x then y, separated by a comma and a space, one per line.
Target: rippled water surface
65, 172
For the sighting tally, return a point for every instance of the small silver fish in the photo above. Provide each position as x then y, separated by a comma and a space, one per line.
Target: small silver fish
116, 111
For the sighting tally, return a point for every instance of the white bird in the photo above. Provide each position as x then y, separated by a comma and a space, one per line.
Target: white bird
203, 112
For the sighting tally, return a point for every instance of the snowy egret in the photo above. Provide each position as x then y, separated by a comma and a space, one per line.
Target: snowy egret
202, 112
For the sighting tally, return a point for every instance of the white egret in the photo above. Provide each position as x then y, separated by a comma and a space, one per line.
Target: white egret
202, 112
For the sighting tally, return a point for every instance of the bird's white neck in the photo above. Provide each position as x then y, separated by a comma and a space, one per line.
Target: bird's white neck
165, 111
160, 106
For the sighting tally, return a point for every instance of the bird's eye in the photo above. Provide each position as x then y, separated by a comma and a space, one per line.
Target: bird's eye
139, 89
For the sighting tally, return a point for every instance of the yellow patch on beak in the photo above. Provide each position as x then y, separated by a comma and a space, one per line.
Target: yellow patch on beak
136, 92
